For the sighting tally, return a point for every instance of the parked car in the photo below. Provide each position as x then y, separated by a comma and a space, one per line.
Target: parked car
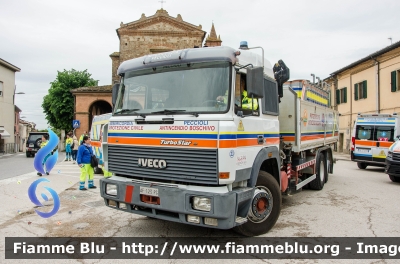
33, 143
392, 162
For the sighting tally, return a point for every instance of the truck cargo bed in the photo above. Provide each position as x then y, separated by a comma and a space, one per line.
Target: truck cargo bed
306, 125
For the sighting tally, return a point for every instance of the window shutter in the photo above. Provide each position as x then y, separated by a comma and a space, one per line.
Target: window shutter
337, 97
356, 91
364, 89
393, 81
345, 95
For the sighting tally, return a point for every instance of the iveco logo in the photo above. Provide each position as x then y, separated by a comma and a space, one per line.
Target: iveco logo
152, 163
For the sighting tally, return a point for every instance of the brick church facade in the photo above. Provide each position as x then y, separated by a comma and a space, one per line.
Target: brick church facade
148, 35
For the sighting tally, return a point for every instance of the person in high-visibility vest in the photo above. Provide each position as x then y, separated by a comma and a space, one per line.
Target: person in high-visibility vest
81, 137
68, 148
246, 102
45, 139
85, 153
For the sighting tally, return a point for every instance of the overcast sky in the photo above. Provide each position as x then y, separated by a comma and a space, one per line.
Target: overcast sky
42, 37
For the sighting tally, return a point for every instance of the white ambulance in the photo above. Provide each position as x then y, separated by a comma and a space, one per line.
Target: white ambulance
373, 134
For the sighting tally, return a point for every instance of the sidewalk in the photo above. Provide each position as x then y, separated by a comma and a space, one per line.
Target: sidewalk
341, 156
14, 191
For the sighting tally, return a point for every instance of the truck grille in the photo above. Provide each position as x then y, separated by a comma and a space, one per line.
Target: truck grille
183, 165
396, 156
394, 169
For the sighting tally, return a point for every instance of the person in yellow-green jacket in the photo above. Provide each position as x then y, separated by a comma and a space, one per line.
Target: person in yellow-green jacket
81, 137
45, 139
68, 148
246, 102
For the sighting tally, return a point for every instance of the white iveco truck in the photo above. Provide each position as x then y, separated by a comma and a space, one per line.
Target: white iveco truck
182, 147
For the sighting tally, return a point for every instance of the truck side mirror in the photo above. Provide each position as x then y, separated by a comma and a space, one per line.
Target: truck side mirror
255, 82
115, 90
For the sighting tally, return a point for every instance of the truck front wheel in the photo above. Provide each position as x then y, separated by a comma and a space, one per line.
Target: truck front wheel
265, 207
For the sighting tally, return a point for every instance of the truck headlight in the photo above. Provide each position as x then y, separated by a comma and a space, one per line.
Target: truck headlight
202, 203
111, 189
389, 155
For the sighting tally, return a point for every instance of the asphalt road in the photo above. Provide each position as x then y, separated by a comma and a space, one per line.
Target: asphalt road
18, 164
354, 203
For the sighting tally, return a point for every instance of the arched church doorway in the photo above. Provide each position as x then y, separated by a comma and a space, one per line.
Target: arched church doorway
98, 108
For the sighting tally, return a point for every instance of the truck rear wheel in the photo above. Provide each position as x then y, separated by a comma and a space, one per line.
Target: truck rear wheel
321, 171
394, 178
362, 165
265, 207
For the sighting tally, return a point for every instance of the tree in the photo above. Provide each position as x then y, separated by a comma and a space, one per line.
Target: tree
58, 104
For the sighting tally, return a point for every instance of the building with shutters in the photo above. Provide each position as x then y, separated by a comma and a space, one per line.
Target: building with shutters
8, 111
369, 85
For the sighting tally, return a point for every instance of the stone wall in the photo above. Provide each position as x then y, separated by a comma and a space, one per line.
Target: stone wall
154, 34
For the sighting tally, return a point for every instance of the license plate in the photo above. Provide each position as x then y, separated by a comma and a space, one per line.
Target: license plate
361, 150
31, 145
149, 191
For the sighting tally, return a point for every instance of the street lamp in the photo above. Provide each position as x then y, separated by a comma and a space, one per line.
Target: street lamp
244, 46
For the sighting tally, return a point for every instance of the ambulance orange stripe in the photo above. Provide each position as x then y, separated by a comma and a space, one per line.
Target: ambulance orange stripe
385, 144
367, 143
96, 144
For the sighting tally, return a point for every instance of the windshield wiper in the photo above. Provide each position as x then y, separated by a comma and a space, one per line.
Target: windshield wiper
133, 111
194, 113
168, 111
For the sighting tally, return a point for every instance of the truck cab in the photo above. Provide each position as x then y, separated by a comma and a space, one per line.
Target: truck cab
184, 146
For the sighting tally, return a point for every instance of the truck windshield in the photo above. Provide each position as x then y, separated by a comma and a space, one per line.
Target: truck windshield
175, 89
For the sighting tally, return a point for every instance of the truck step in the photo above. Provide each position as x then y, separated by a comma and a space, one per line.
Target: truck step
240, 220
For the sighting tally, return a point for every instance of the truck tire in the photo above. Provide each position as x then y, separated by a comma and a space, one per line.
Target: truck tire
394, 178
321, 171
362, 165
27, 154
266, 206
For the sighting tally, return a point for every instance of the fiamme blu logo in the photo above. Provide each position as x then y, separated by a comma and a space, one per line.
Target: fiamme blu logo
35, 200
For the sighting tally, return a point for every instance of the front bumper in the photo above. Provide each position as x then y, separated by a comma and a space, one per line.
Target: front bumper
32, 150
367, 160
175, 201
392, 167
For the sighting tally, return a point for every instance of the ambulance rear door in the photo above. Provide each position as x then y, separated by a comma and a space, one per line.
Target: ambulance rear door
384, 138
364, 141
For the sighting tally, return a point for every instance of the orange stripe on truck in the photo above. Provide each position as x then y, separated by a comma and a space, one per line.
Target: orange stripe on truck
202, 143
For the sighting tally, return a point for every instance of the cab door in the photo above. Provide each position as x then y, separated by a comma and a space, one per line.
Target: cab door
384, 138
364, 142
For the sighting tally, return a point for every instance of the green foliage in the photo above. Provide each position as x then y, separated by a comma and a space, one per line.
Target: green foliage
58, 104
